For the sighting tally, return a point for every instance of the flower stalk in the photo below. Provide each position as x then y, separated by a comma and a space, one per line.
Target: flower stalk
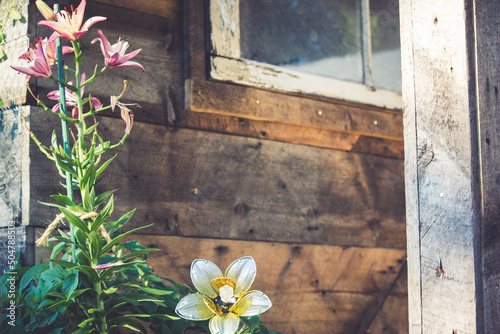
64, 126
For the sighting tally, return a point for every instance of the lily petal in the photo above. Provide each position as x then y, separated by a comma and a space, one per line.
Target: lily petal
202, 274
242, 272
193, 307
253, 303
224, 324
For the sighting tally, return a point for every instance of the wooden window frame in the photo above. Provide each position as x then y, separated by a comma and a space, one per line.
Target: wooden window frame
236, 108
226, 64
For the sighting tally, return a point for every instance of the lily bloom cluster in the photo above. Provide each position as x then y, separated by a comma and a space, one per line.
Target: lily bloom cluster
223, 298
69, 25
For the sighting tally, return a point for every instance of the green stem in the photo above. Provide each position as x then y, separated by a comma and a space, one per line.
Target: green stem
100, 306
65, 131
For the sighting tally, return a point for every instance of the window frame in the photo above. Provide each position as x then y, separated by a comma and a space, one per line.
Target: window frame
226, 64
241, 110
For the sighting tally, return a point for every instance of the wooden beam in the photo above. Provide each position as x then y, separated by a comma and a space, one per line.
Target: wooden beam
450, 90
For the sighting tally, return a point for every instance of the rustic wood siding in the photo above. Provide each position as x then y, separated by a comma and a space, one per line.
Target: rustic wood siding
316, 199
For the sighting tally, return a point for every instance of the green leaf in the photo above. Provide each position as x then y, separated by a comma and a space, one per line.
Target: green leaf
54, 274
110, 291
122, 221
74, 220
120, 237
70, 284
95, 245
66, 167
30, 274
137, 253
103, 167
77, 293
53, 141
63, 199
62, 263
83, 257
103, 215
15, 15
89, 129
101, 198
81, 238
91, 273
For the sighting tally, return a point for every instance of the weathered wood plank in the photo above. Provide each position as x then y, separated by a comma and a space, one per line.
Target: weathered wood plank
487, 36
203, 184
307, 294
292, 133
411, 161
443, 200
289, 111
169, 9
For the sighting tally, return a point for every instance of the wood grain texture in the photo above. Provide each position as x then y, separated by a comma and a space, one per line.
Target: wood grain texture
411, 163
203, 184
443, 204
487, 36
281, 112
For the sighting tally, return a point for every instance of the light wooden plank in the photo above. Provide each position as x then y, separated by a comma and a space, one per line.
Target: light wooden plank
252, 73
411, 164
225, 28
203, 184
442, 171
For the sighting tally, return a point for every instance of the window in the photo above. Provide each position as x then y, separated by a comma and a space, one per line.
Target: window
257, 106
343, 49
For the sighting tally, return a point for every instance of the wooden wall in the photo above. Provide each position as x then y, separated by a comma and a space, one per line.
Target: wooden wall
324, 222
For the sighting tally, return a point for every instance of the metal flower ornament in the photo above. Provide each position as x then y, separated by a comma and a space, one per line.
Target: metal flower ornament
223, 298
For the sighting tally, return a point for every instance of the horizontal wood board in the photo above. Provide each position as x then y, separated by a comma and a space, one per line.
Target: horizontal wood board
195, 183
313, 288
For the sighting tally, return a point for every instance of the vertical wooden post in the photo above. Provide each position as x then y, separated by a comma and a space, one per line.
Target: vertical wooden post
450, 55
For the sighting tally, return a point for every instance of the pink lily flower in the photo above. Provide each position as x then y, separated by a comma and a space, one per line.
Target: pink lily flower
50, 50
69, 24
40, 61
72, 99
107, 265
114, 55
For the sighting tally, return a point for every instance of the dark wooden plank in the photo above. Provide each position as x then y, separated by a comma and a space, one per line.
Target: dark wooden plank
487, 24
208, 96
203, 184
307, 294
169, 9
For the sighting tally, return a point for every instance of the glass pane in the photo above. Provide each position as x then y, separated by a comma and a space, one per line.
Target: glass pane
315, 36
386, 50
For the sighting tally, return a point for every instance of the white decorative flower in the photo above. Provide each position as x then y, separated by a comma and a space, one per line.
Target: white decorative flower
223, 298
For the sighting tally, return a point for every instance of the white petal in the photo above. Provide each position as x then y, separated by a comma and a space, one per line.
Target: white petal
202, 274
224, 324
193, 307
253, 303
242, 272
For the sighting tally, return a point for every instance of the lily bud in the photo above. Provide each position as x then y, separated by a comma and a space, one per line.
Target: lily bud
74, 113
46, 11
